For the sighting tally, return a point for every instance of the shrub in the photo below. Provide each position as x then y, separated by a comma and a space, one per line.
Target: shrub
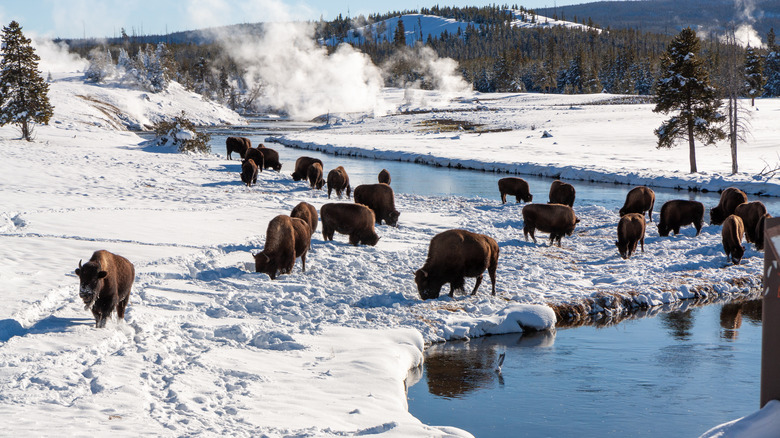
182, 133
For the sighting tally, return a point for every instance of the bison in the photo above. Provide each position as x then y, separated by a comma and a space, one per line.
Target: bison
307, 212
303, 232
256, 156
760, 231
280, 250
454, 255
516, 187
270, 158
315, 176
732, 232
104, 285
339, 180
384, 176
561, 193
729, 199
680, 212
249, 172
380, 199
556, 219
237, 144
302, 167
639, 200
750, 213
355, 220
630, 230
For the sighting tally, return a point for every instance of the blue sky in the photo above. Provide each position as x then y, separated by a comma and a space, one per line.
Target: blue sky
105, 18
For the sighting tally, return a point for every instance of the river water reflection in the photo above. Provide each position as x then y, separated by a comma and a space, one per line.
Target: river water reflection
677, 374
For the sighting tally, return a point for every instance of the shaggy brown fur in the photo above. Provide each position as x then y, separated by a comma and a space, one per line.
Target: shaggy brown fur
237, 144
315, 176
732, 232
249, 172
454, 255
750, 213
302, 239
379, 198
278, 254
105, 282
760, 231
516, 187
355, 220
384, 176
562, 193
270, 158
308, 213
339, 180
639, 200
678, 213
630, 230
556, 219
302, 167
729, 199
256, 156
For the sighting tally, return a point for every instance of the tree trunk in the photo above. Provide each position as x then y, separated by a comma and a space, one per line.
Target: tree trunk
691, 147
733, 135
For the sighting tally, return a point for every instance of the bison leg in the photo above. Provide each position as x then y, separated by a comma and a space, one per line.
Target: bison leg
303, 262
120, 308
354, 239
529, 230
329, 190
476, 286
698, 227
642, 241
503, 198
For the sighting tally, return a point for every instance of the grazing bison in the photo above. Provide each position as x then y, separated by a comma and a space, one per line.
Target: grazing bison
561, 193
339, 180
315, 176
729, 199
639, 200
355, 220
256, 156
249, 172
384, 176
104, 285
302, 167
453, 255
270, 158
516, 187
556, 219
750, 213
732, 232
380, 199
307, 212
760, 231
303, 234
278, 254
680, 212
237, 144
630, 230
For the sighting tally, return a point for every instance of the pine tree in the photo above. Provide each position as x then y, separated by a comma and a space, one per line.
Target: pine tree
399, 37
24, 98
684, 87
772, 73
754, 74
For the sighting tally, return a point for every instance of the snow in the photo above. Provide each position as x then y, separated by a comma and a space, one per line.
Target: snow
760, 424
210, 347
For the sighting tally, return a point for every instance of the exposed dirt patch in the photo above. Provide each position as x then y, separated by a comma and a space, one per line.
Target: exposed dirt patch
451, 125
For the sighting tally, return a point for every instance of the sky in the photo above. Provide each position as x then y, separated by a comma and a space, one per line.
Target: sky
105, 18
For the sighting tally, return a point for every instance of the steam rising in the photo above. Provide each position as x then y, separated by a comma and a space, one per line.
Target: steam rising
744, 34
55, 57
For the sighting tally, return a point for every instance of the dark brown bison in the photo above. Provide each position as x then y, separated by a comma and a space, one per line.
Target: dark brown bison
556, 219
516, 187
678, 213
315, 176
302, 167
454, 255
256, 156
630, 230
303, 234
307, 212
760, 231
104, 285
639, 200
339, 180
249, 172
732, 232
750, 213
355, 220
729, 199
270, 158
379, 198
384, 176
562, 193
280, 250
237, 144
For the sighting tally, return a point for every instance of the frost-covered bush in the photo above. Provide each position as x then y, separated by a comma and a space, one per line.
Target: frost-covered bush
182, 133
101, 66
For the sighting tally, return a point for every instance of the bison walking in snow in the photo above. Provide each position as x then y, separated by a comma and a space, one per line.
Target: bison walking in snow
729, 200
379, 198
355, 220
302, 167
733, 230
104, 285
454, 255
639, 200
680, 212
339, 180
307, 212
630, 231
237, 144
249, 172
750, 213
281, 249
384, 177
556, 219
562, 193
315, 176
516, 187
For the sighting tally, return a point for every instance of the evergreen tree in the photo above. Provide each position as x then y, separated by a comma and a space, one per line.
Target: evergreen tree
684, 87
772, 73
754, 74
399, 37
24, 98
101, 65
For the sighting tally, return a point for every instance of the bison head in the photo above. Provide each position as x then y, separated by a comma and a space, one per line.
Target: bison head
369, 239
622, 249
427, 288
716, 215
90, 282
736, 255
392, 218
530, 198
663, 229
265, 264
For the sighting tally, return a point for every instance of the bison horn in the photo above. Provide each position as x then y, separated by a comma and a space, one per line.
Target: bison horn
79, 263
267, 259
424, 273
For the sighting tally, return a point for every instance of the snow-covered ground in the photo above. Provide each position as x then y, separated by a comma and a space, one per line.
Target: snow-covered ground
210, 347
